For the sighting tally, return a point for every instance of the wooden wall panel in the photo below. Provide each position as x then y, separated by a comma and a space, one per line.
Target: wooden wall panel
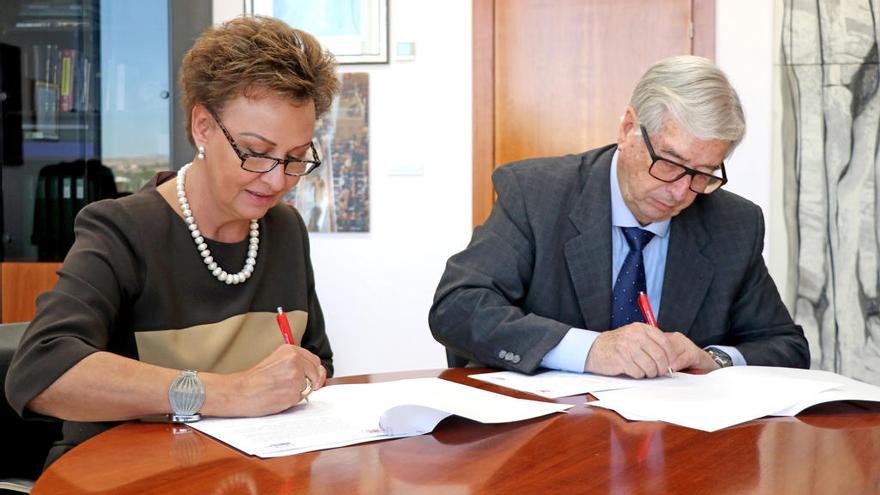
21, 284
483, 108
703, 43
560, 73
564, 71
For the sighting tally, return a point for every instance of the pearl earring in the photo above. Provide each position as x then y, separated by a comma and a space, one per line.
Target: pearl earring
201, 155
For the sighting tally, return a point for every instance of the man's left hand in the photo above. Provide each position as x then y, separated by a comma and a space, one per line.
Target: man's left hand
688, 355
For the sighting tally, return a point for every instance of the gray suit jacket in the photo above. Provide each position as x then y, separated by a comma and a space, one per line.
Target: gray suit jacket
541, 264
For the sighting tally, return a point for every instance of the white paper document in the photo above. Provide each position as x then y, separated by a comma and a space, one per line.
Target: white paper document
339, 415
734, 395
847, 389
556, 384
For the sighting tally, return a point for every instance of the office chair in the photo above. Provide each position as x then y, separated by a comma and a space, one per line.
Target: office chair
27, 442
453, 360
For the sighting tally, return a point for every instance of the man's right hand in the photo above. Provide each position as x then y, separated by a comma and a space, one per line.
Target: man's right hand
637, 350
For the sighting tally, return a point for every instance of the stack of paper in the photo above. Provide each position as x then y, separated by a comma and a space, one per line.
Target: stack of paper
556, 384
707, 402
339, 415
734, 395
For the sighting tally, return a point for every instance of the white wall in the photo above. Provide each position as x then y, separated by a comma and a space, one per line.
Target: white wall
747, 48
376, 288
745, 51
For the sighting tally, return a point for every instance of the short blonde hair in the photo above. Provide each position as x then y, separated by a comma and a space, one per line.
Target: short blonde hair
694, 92
250, 55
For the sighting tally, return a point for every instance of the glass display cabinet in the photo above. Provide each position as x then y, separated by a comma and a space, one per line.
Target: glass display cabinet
86, 94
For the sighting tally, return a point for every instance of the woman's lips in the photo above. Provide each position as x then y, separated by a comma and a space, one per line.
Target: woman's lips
261, 198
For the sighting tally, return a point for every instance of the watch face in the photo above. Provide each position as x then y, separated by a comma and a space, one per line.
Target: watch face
187, 394
720, 357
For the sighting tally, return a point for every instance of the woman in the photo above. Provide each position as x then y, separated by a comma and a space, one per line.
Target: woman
166, 302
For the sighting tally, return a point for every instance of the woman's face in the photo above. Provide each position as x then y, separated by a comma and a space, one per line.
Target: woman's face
269, 125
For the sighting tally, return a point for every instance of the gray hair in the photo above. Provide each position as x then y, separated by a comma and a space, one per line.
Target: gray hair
694, 92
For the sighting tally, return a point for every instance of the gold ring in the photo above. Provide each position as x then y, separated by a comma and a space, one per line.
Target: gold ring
308, 388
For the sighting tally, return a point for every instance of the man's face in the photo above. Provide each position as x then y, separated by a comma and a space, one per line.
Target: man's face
649, 199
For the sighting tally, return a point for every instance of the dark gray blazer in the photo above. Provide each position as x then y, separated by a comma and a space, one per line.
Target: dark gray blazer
541, 264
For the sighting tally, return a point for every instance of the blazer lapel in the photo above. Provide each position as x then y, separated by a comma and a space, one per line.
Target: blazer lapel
688, 272
588, 254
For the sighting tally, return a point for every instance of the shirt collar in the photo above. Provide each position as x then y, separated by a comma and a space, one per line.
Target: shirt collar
620, 214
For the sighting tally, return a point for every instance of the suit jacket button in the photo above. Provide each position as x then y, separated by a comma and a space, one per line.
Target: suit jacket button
515, 358
508, 356
502, 354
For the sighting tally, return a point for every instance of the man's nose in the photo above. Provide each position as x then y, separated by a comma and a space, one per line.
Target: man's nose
681, 187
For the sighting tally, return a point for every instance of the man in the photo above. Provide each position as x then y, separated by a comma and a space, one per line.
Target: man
552, 278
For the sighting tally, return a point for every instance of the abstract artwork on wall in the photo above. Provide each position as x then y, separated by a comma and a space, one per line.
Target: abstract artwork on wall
831, 120
336, 196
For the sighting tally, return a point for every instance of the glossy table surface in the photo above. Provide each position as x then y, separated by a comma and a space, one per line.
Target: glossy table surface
830, 448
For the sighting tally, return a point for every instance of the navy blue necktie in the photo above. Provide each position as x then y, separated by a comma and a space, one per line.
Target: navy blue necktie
631, 279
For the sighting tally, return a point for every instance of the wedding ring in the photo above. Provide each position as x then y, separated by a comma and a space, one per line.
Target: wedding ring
308, 389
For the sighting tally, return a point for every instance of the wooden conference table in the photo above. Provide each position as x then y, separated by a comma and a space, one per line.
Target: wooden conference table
831, 448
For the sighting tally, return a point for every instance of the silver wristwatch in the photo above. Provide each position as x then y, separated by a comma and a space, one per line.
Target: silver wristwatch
720, 357
186, 396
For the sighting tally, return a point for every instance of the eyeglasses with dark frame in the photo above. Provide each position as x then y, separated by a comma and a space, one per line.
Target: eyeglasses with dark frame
669, 171
261, 164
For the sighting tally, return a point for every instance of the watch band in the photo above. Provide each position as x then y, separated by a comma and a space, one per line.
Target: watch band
720, 357
186, 396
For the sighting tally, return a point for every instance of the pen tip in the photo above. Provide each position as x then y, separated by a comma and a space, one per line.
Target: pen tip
280, 310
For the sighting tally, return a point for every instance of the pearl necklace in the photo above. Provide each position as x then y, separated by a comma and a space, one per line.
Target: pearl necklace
212, 266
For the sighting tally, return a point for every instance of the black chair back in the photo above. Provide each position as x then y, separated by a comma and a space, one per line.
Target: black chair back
453, 360
27, 441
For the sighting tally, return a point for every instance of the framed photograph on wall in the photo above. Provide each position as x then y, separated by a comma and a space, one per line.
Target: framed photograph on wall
355, 31
336, 196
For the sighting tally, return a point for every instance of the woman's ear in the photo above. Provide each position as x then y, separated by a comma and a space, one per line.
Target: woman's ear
202, 124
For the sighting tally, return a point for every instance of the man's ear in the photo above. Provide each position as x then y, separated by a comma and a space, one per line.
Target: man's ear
202, 124
628, 123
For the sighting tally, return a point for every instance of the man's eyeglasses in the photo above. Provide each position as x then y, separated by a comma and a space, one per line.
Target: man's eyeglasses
669, 171
259, 163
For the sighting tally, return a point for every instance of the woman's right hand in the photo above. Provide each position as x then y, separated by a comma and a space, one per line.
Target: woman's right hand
274, 384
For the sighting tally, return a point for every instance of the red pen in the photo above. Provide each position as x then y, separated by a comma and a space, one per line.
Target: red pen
284, 326
645, 306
